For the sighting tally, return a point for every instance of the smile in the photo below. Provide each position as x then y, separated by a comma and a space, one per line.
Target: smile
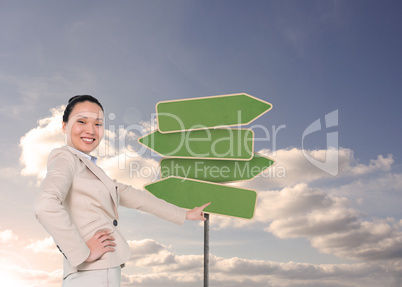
88, 140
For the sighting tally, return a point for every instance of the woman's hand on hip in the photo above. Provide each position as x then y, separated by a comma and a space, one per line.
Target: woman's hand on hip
99, 244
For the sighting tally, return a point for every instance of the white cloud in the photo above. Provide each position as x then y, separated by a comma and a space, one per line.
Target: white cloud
375, 240
377, 187
165, 268
38, 142
291, 167
326, 216
131, 168
7, 237
186, 270
16, 268
303, 211
17, 276
149, 127
46, 245
149, 253
327, 220
379, 164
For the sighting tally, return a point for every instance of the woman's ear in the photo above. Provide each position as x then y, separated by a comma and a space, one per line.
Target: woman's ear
64, 127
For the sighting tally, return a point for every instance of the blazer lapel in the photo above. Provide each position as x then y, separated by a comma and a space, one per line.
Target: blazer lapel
99, 173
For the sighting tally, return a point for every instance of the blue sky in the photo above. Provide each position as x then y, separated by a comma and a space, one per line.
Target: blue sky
307, 58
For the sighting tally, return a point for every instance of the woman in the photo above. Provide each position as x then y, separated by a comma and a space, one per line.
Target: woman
77, 202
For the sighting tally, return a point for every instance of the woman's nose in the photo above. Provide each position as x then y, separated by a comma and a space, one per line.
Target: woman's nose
90, 129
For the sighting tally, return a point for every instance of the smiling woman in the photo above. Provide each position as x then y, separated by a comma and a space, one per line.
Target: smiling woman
78, 203
84, 123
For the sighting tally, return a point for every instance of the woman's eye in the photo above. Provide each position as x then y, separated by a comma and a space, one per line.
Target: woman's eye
99, 125
81, 122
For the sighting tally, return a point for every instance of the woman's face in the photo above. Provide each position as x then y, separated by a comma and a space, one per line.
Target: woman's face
84, 128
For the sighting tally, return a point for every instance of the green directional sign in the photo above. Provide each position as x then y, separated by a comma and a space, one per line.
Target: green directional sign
214, 170
188, 193
197, 113
233, 144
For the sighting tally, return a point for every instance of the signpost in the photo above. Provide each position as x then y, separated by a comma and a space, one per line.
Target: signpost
187, 193
214, 170
206, 250
202, 151
199, 113
236, 144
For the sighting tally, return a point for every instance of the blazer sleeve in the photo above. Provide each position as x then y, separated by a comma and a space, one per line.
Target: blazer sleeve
147, 202
51, 213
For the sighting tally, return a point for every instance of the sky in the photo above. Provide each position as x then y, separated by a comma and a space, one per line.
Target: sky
328, 212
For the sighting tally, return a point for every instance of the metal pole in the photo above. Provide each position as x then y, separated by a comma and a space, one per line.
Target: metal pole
206, 250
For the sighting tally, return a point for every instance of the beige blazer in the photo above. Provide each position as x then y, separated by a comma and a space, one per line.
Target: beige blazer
77, 199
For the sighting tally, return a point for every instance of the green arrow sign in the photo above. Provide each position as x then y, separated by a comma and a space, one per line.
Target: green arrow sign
214, 170
188, 193
208, 143
197, 113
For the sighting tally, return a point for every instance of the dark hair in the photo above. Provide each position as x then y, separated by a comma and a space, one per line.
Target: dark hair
78, 99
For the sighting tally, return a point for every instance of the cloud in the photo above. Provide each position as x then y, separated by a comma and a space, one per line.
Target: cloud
379, 164
328, 221
46, 245
162, 267
150, 253
369, 240
289, 207
16, 267
131, 168
303, 211
378, 185
186, 270
38, 142
17, 276
291, 167
7, 237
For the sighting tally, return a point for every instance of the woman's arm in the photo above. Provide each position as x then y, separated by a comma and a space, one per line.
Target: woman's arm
147, 202
51, 213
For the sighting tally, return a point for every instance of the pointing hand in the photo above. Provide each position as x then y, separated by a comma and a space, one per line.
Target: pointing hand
197, 213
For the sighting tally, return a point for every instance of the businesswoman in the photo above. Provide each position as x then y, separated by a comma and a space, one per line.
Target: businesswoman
77, 202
